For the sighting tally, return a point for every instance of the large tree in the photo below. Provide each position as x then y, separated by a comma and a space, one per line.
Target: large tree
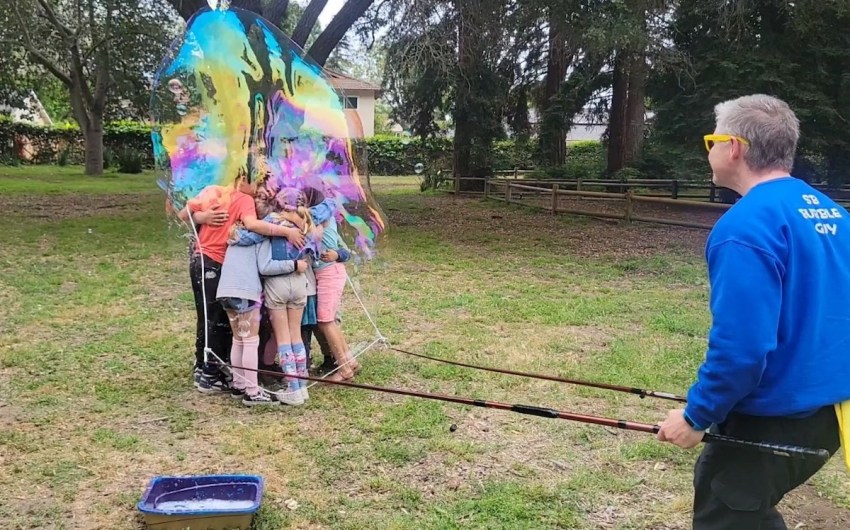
576, 55
799, 52
95, 48
275, 11
633, 41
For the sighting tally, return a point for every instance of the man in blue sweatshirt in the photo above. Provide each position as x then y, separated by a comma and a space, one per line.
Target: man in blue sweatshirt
778, 354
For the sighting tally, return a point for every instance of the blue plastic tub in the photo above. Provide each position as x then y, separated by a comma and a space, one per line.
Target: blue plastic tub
202, 502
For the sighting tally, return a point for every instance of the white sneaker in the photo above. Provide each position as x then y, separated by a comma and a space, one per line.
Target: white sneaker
289, 397
303, 390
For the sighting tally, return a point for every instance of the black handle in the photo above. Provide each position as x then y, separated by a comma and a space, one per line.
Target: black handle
790, 451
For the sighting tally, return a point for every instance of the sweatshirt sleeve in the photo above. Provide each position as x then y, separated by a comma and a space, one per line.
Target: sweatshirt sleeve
246, 238
746, 294
323, 211
343, 251
271, 267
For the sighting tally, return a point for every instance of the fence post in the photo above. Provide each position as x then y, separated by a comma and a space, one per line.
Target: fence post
629, 206
675, 189
578, 184
712, 192
486, 187
457, 184
507, 192
516, 173
554, 199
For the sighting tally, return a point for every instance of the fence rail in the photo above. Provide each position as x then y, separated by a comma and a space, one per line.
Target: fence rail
514, 193
672, 188
666, 194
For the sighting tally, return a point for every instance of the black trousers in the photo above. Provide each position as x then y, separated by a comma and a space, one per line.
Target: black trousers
738, 489
219, 334
307, 333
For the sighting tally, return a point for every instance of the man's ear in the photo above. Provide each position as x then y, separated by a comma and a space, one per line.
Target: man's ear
737, 150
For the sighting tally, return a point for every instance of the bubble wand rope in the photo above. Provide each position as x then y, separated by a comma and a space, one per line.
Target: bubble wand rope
789, 451
642, 393
630, 390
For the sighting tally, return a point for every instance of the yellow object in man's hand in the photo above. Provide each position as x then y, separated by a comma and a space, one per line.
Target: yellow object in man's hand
843, 412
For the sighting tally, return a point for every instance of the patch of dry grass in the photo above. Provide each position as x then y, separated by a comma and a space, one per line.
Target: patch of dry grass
96, 398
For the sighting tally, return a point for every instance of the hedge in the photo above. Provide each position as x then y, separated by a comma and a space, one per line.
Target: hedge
386, 155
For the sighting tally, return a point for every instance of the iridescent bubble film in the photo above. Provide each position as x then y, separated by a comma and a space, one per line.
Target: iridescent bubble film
236, 96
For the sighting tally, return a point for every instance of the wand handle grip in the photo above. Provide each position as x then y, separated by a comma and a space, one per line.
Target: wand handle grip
790, 451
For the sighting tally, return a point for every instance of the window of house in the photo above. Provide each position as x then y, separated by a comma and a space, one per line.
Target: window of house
351, 102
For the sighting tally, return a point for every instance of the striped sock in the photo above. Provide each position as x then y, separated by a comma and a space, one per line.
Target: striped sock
300, 362
287, 361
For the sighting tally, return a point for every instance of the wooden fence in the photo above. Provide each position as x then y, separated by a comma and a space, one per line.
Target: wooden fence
672, 188
516, 193
622, 199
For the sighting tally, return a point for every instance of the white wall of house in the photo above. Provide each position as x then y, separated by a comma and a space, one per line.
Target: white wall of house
581, 132
365, 107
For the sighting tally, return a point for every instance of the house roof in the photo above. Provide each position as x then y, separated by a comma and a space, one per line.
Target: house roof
346, 82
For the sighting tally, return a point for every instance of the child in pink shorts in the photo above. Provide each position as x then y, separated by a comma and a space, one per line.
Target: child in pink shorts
330, 283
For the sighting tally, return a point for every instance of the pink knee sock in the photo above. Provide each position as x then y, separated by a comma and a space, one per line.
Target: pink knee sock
249, 360
236, 353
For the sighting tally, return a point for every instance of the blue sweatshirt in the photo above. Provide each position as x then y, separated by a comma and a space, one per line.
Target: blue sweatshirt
779, 344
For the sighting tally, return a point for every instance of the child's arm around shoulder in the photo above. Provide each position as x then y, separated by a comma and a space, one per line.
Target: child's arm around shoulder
247, 213
246, 238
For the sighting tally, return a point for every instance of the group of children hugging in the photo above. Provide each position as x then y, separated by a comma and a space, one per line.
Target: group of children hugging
267, 271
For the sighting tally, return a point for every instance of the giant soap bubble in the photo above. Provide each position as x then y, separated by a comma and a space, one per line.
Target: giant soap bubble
236, 96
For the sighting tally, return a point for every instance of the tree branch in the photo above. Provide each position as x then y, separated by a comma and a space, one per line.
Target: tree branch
45, 62
276, 12
308, 21
341, 23
255, 6
102, 76
51, 16
30, 49
187, 8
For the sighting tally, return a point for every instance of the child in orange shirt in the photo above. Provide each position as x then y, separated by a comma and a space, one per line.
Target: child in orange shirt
211, 246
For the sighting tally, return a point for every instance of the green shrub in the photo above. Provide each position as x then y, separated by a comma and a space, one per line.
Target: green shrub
432, 180
108, 158
129, 161
64, 155
628, 173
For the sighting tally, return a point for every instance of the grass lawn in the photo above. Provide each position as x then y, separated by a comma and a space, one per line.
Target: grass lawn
96, 395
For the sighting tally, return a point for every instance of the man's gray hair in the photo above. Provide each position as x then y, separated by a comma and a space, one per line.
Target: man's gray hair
768, 123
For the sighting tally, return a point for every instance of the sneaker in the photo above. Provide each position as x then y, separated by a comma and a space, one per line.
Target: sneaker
237, 393
303, 391
212, 384
289, 397
260, 399
196, 376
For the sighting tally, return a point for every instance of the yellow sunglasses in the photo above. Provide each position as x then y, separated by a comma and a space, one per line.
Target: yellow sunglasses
711, 139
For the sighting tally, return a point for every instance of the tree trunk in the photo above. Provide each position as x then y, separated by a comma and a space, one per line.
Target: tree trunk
187, 8
461, 143
553, 133
341, 23
90, 122
617, 123
327, 40
93, 135
635, 108
308, 20
275, 12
